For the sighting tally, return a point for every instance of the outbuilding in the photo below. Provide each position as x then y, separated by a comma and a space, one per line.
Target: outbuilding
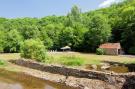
66, 48
111, 48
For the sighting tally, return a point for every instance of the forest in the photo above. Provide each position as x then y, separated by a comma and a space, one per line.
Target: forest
83, 32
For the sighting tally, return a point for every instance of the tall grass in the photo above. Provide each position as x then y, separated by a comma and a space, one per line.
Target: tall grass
71, 60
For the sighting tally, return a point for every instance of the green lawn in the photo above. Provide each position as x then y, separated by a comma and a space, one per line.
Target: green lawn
92, 58
64, 57
9, 56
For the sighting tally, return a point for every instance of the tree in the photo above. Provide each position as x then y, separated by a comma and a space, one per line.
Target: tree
75, 13
53, 31
99, 32
2, 38
66, 37
78, 36
128, 26
30, 32
73, 17
46, 39
12, 41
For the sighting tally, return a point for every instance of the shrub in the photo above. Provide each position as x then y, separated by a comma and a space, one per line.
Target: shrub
33, 49
71, 61
2, 62
131, 50
100, 51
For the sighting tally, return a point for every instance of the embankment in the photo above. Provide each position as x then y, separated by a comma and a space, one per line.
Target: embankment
80, 78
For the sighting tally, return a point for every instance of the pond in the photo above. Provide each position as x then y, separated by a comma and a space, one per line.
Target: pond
13, 80
112, 67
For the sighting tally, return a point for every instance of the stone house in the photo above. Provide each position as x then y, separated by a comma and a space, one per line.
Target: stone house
111, 48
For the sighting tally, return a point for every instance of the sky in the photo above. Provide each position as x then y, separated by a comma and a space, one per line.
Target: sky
41, 8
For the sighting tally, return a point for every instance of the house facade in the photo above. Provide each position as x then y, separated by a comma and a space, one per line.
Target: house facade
111, 48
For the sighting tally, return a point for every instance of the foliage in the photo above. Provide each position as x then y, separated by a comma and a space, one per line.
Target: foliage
2, 38
82, 31
71, 61
66, 36
12, 41
131, 50
48, 42
34, 49
100, 51
30, 32
99, 32
2, 62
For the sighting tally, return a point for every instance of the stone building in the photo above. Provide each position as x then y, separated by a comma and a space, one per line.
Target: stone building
111, 48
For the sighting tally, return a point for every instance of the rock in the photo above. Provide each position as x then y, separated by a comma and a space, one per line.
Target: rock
94, 67
105, 67
86, 88
116, 65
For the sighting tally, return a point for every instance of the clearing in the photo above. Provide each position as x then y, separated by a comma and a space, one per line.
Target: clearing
87, 57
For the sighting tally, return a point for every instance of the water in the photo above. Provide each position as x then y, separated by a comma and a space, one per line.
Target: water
115, 67
12, 80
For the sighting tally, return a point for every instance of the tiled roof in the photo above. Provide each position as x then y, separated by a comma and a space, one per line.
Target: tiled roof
110, 45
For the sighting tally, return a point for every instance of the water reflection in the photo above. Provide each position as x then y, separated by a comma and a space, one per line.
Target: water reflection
49, 87
10, 86
11, 80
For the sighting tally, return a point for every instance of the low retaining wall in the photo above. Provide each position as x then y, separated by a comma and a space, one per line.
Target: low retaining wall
120, 81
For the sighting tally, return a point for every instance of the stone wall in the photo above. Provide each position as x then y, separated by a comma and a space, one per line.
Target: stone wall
121, 81
111, 51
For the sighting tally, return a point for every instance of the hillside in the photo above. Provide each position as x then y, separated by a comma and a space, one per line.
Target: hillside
81, 31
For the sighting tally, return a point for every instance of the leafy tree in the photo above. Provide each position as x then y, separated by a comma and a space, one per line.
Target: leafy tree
73, 17
66, 37
46, 39
12, 41
75, 13
2, 38
33, 49
78, 36
128, 34
53, 31
99, 32
29, 32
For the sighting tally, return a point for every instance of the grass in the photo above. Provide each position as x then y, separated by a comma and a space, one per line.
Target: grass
91, 58
71, 60
77, 59
9, 56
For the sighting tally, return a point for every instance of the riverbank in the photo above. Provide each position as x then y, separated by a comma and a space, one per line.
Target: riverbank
80, 78
55, 78
72, 77
70, 81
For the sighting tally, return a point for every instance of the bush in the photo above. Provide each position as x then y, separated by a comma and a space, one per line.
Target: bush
33, 49
71, 61
100, 51
131, 50
2, 62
